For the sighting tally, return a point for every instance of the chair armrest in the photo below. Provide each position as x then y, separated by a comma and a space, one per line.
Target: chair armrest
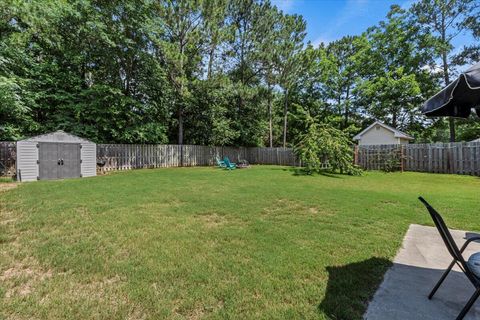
470, 240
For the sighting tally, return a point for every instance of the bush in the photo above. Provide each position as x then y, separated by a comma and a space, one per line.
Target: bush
324, 148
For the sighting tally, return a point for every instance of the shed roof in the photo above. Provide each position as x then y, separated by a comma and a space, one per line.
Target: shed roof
396, 133
57, 136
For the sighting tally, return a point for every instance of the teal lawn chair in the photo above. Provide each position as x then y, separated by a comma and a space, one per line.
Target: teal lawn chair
220, 163
229, 165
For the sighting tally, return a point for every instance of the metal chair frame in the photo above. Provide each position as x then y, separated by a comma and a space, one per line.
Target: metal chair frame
458, 258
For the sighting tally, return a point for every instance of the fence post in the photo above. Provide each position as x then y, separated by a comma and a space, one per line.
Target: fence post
355, 155
402, 157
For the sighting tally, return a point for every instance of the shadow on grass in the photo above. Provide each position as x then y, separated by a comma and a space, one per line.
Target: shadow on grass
351, 287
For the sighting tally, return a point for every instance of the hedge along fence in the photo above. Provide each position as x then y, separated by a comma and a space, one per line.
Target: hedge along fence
456, 158
135, 156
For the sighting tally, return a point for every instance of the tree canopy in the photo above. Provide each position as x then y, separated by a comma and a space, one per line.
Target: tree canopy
221, 72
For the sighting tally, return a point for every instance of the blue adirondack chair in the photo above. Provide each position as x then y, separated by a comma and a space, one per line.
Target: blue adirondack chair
220, 163
229, 165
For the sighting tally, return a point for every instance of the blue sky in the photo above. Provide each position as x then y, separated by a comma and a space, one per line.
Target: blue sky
329, 20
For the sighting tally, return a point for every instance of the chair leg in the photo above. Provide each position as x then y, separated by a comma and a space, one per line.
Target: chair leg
469, 304
439, 283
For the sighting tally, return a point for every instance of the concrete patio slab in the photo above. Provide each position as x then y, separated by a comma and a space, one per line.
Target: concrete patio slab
417, 267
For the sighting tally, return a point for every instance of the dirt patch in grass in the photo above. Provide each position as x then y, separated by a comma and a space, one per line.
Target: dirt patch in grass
198, 311
7, 220
285, 207
211, 220
7, 186
387, 204
27, 279
21, 278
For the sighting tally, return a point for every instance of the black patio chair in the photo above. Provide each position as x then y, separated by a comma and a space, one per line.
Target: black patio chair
457, 258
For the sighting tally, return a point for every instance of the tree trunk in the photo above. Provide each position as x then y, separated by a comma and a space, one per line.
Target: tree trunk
180, 105
347, 108
180, 126
211, 56
285, 116
451, 121
270, 125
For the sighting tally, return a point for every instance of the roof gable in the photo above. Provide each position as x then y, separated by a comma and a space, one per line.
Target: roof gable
396, 133
57, 136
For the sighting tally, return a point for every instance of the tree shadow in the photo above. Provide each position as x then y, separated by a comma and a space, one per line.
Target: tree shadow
351, 287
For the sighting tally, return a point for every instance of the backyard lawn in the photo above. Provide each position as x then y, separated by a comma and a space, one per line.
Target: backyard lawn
259, 243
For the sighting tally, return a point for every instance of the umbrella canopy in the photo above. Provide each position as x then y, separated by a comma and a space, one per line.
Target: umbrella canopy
458, 98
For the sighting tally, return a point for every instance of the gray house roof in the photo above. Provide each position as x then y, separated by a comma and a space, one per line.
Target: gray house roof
396, 133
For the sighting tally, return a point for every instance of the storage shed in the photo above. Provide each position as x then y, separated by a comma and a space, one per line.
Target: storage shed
56, 155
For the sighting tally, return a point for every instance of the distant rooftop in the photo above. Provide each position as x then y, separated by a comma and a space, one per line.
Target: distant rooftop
397, 133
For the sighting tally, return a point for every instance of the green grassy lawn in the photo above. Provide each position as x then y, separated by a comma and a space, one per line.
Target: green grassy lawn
259, 243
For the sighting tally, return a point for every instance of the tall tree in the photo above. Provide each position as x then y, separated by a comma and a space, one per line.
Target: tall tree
243, 65
446, 19
348, 57
289, 45
270, 25
471, 52
179, 26
214, 16
393, 72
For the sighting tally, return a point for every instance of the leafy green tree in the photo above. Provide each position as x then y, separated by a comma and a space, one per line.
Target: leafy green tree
470, 53
289, 45
322, 147
242, 62
347, 55
393, 98
445, 19
179, 24
213, 72
268, 57
208, 120
215, 31
395, 82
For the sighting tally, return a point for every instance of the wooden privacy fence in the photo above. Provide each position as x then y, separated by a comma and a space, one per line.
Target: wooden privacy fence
8, 157
457, 158
134, 156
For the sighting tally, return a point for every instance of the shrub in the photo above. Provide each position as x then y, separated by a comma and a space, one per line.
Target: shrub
324, 148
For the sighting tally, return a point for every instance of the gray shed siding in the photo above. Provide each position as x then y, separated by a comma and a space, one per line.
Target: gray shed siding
89, 160
27, 154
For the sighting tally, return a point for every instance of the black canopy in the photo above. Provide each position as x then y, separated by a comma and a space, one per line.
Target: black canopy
458, 98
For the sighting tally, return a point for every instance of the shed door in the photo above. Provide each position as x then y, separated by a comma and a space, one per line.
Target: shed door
59, 160
69, 154
48, 161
